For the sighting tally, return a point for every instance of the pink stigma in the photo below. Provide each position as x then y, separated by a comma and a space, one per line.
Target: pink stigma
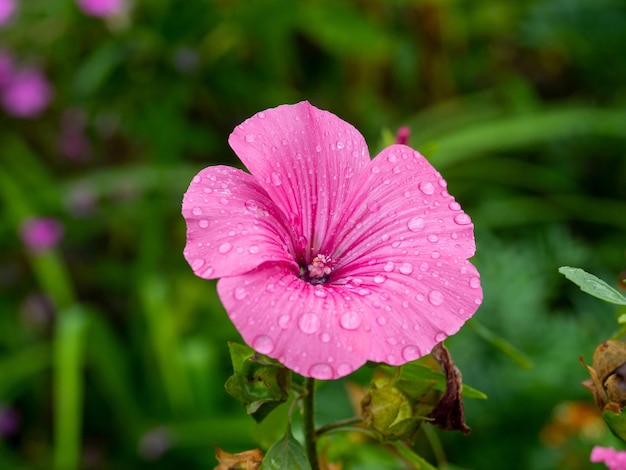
320, 267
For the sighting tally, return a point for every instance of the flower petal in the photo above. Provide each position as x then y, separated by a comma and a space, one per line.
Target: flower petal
318, 331
407, 241
307, 159
232, 225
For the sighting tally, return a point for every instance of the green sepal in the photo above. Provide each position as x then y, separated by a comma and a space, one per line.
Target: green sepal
260, 383
286, 453
616, 423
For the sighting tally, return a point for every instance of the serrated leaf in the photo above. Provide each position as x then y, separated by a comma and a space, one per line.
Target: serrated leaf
286, 453
593, 285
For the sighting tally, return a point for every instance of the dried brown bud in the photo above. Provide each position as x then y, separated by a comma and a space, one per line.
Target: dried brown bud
608, 376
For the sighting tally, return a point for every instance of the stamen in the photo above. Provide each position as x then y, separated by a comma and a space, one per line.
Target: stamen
320, 267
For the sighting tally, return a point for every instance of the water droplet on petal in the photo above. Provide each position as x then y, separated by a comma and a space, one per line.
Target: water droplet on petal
426, 187
251, 205
350, 320
197, 179
435, 297
261, 115
249, 137
320, 292
284, 321
416, 224
325, 337
455, 206
424, 266
406, 268
375, 170
392, 158
439, 337
225, 248
203, 223
373, 206
340, 144
410, 353
240, 293
380, 278
196, 211
344, 369
435, 255
462, 219
263, 344
433, 238
254, 249
389, 266
474, 282
309, 323
224, 201
197, 264
382, 321
276, 178
321, 371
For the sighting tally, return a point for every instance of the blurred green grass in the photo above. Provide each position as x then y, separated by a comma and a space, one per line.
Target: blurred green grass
114, 355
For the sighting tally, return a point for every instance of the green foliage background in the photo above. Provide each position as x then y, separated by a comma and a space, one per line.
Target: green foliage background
114, 355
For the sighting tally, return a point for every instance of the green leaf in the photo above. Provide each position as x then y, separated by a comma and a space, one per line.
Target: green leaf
616, 423
260, 383
592, 285
286, 453
408, 454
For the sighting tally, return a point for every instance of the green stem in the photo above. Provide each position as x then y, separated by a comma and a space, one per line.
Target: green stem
338, 425
308, 417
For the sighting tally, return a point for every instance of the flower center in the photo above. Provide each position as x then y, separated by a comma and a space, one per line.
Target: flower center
319, 269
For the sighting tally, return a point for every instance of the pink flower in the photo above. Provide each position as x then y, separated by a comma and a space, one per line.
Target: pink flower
328, 259
613, 459
41, 234
7, 8
101, 8
26, 94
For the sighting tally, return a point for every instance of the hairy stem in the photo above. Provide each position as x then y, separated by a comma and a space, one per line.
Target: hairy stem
308, 418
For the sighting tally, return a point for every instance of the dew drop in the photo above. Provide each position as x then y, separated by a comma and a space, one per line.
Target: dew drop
410, 353
197, 179
380, 278
455, 206
320, 292
424, 266
196, 211
251, 205
348, 173
263, 344
426, 187
318, 148
416, 224
240, 293
373, 206
225, 248
321, 371
350, 320
249, 137
462, 219
203, 223
276, 178
254, 249
406, 268
224, 201
284, 321
309, 323
344, 369
440, 336
435, 255
474, 283
325, 337
340, 144
382, 321
392, 158
389, 266
435, 297
261, 115
375, 170
197, 264
433, 238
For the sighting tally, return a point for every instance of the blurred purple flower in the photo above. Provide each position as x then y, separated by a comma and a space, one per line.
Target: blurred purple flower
402, 137
26, 94
7, 8
613, 459
41, 234
155, 443
72, 142
9, 421
101, 8
6, 67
